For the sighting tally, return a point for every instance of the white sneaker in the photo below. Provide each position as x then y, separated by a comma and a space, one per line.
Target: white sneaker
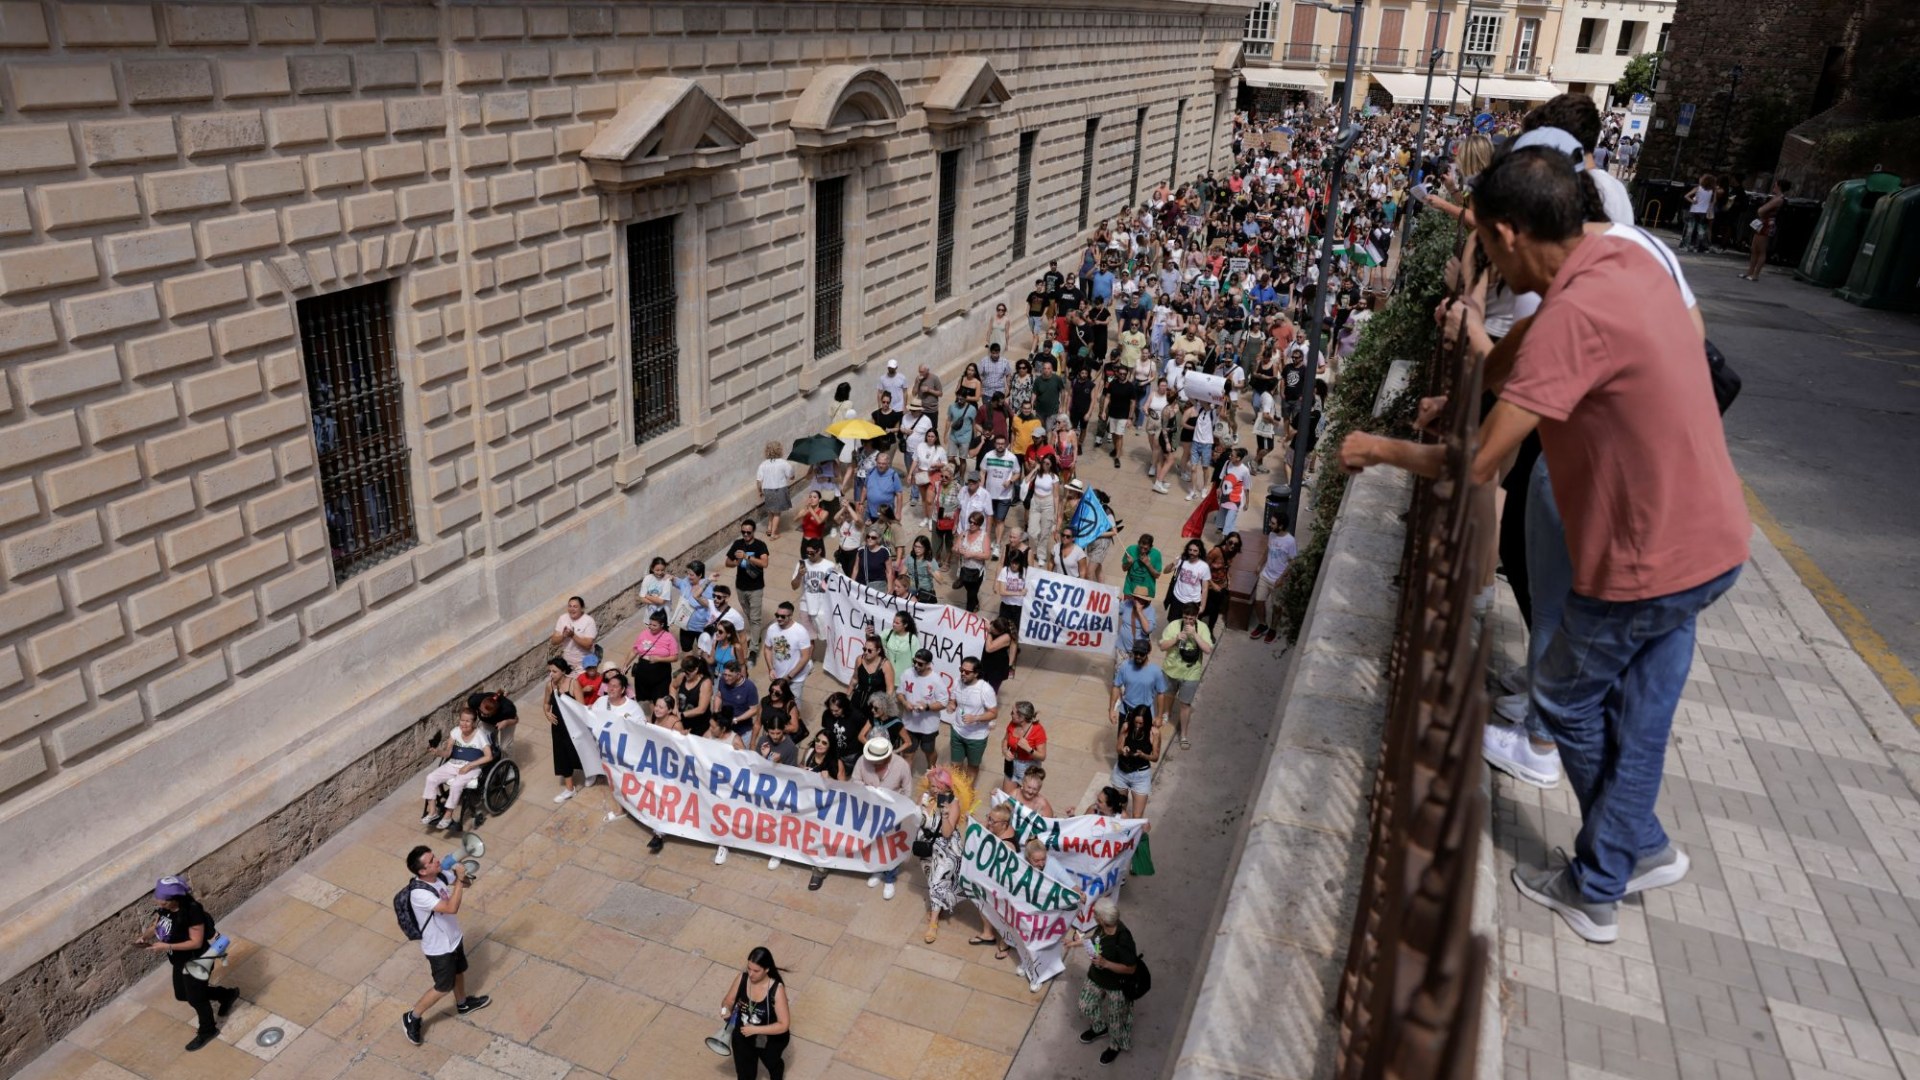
719, 856
426, 819
565, 794
873, 880
886, 893
1192, 495
1160, 489
996, 551
1507, 748
1511, 707
444, 823
773, 863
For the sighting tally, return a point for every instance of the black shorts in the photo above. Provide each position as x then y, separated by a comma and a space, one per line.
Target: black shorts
923, 743
448, 965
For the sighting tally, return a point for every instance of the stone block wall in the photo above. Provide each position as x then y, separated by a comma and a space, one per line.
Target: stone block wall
175, 177
1781, 47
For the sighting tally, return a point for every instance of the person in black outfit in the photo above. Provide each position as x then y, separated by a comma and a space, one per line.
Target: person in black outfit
757, 1002
495, 708
184, 930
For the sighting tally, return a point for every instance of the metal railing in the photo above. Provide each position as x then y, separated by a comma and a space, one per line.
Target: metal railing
1523, 65
1411, 993
1389, 58
1302, 52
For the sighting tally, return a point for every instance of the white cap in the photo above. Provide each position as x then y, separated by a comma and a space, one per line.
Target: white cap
893, 365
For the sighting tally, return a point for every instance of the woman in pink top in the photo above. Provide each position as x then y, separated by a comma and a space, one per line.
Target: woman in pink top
654, 654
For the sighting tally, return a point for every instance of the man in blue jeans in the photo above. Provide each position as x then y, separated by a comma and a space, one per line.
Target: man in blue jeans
1611, 371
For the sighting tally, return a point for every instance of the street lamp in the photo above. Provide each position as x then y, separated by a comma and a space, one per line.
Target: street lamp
1419, 159
1336, 170
1726, 119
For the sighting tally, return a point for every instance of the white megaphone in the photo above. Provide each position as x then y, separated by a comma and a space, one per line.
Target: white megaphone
721, 1042
474, 848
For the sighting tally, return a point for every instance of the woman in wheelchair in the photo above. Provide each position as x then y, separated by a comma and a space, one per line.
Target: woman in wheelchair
468, 750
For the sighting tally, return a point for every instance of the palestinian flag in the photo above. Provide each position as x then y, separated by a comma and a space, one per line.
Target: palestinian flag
1361, 254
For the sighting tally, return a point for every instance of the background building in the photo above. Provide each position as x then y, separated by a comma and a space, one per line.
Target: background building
1506, 52
342, 343
1825, 90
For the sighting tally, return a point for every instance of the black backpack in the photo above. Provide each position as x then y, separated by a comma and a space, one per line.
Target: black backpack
410, 925
1140, 981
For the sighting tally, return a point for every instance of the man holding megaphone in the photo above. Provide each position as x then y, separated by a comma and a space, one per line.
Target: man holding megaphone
428, 910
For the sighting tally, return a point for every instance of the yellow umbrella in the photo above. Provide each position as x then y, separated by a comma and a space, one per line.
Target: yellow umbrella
856, 429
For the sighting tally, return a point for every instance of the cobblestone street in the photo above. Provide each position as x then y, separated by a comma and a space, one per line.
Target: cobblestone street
605, 961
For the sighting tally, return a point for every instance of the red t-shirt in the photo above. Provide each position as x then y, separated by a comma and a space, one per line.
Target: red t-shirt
1037, 735
1614, 367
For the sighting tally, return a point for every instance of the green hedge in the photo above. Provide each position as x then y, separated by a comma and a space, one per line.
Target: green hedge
1403, 330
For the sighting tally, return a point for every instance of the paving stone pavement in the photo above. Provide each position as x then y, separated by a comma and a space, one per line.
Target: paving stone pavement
1792, 949
604, 961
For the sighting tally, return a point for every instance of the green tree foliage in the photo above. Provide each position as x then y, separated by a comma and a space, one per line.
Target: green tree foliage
1638, 78
1403, 330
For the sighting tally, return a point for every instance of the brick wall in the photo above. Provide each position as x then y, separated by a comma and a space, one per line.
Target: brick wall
175, 177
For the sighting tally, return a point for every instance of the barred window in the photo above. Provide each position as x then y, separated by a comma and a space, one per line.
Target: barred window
1139, 143
943, 240
1022, 193
653, 321
1086, 170
359, 429
1179, 121
829, 262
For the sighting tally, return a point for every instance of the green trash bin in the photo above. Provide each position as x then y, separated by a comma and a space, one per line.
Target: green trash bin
1886, 273
1843, 224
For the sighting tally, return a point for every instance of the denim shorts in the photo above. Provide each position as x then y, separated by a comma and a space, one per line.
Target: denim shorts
1017, 769
1140, 783
1201, 454
1000, 508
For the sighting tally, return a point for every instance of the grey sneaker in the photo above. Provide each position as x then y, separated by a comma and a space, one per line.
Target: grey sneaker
1662, 868
1553, 887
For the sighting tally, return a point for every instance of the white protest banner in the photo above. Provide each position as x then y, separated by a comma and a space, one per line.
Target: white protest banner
1094, 851
948, 632
1199, 386
1067, 613
703, 789
1238, 266
1032, 909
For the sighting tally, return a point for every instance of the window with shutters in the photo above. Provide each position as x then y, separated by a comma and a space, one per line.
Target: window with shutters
359, 425
1139, 145
1022, 192
829, 262
1437, 23
943, 238
654, 328
1086, 171
1300, 45
1388, 52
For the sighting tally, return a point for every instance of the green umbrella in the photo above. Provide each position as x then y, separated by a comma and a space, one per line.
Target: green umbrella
815, 449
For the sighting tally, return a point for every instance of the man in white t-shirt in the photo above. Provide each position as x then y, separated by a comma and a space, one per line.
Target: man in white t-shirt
999, 471
1233, 490
435, 895
974, 708
574, 632
894, 386
789, 650
922, 693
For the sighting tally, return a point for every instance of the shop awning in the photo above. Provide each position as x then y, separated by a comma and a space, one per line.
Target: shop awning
1510, 89
1284, 79
1411, 89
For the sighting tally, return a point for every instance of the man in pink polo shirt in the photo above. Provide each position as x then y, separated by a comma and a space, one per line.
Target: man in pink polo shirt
1612, 373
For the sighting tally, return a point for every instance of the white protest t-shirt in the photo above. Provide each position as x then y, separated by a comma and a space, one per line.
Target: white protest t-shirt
791, 648
930, 688
439, 931
970, 700
998, 471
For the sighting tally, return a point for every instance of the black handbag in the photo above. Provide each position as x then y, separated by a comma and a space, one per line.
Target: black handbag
1726, 381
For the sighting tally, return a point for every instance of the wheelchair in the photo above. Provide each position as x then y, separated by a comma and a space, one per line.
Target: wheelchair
491, 790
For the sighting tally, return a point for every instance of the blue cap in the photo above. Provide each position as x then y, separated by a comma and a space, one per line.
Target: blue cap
590, 660
170, 888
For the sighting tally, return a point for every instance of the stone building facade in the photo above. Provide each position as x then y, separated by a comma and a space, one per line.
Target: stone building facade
342, 343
